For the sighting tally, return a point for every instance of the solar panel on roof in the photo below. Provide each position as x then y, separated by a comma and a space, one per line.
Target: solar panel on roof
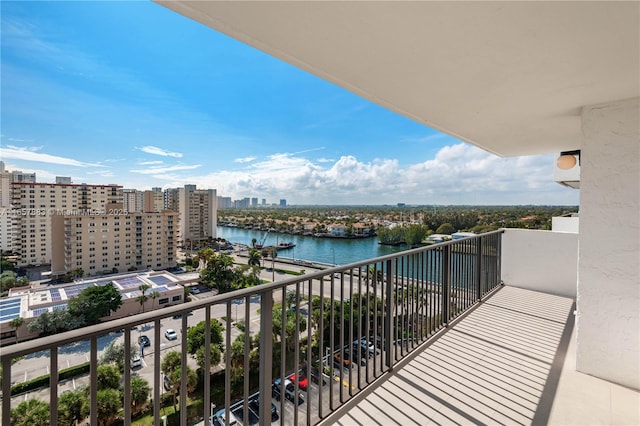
129, 282
55, 294
160, 279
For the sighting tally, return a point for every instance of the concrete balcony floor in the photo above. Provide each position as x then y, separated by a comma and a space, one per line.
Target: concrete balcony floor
511, 361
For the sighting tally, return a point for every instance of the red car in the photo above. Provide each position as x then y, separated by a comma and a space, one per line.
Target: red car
303, 382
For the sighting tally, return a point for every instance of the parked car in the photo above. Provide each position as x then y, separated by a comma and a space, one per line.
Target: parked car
171, 334
303, 382
254, 404
136, 361
144, 340
367, 346
220, 417
346, 362
289, 390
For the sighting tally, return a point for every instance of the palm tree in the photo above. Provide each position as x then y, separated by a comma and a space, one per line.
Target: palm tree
253, 242
32, 412
109, 405
139, 393
143, 297
254, 257
73, 407
16, 323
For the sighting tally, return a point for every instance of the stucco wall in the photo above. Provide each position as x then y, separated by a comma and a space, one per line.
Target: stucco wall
540, 260
608, 322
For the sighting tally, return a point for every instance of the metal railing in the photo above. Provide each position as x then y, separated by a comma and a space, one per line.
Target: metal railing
334, 332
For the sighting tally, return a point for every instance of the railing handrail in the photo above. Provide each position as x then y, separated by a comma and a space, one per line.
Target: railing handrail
84, 333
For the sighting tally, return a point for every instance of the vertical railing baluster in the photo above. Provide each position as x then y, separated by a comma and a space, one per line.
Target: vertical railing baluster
321, 351
93, 380
388, 318
157, 375
53, 386
183, 379
208, 415
266, 354
227, 367
6, 391
479, 269
127, 376
247, 355
446, 283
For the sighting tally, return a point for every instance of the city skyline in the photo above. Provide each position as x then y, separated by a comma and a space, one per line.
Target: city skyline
132, 94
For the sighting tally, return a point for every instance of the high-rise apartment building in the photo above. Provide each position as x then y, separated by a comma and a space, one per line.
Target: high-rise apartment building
34, 204
225, 203
198, 213
132, 200
63, 179
153, 201
118, 241
172, 199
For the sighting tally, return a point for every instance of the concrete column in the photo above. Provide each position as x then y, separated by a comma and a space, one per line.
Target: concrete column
608, 322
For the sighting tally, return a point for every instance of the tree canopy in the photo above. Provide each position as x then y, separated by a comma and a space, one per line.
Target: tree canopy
95, 302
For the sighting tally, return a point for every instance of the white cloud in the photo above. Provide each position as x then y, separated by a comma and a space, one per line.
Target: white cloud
32, 154
244, 160
459, 174
161, 170
159, 151
150, 163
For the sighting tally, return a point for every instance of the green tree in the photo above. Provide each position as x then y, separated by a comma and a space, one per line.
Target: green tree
54, 322
445, 228
31, 412
219, 272
108, 376
196, 335
214, 358
289, 327
73, 406
254, 257
95, 302
109, 405
172, 367
142, 299
139, 393
114, 354
414, 234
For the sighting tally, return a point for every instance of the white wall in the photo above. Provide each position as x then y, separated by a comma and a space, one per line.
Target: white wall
565, 224
543, 261
608, 322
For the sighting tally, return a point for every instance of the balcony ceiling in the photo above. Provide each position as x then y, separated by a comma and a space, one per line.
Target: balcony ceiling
509, 77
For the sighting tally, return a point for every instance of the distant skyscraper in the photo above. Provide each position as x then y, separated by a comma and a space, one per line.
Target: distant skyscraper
264, 201
63, 179
254, 202
283, 203
198, 213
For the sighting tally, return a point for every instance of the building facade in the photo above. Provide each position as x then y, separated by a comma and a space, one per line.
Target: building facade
33, 205
115, 242
198, 213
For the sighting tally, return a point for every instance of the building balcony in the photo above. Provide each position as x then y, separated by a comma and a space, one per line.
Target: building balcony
440, 339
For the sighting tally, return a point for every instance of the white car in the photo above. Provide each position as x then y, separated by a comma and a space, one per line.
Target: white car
171, 334
136, 361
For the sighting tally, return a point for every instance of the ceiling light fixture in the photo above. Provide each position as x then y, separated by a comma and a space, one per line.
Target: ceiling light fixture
567, 159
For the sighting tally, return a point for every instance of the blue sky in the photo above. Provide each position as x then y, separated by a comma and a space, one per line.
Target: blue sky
134, 94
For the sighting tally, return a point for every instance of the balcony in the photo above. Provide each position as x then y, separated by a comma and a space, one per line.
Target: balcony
444, 342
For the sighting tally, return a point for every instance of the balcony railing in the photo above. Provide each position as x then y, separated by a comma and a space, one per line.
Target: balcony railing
342, 328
